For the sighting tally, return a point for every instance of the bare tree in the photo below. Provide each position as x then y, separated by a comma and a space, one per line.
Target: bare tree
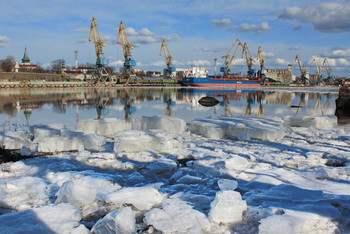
57, 64
8, 64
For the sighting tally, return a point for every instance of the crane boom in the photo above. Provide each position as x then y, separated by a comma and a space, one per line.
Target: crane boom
248, 58
100, 72
164, 50
262, 63
94, 33
318, 68
228, 62
325, 65
129, 63
304, 74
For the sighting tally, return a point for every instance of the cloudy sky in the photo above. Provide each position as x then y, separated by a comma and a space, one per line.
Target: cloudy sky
197, 31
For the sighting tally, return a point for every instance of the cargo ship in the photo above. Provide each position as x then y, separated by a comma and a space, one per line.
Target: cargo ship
198, 77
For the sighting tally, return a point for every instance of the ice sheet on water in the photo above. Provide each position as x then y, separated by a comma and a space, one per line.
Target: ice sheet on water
61, 218
23, 193
119, 221
170, 124
297, 222
227, 207
149, 140
105, 127
85, 191
40, 130
319, 122
243, 128
142, 198
15, 140
176, 216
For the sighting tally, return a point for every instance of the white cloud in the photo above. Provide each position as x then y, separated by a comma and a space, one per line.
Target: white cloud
255, 28
268, 54
146, 36
221, 22
199, 63
328, 17
117, 63
343, 62
338, 53
158, 64
282, 61
4, 41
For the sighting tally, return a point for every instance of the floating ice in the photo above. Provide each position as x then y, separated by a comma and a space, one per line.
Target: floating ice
60, 144
135, 141
175, 216
23, 193
226, 184
163, 165
120, 221
227, 207
319, 122
142, 198
170, 124
61, 218
297, 222
243, 128
41, 131
105, 127
15, 140
84, 191
237, 163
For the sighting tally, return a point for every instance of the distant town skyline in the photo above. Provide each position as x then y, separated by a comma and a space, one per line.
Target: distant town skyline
197, 31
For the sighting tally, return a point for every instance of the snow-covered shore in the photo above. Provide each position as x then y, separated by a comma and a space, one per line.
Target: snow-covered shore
161, 174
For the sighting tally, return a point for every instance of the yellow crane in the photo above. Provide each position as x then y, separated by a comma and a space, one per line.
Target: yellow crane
100, 72
129, 63
304, 74
249, 60
317, 67
164, 50
228, 62
325, 66
262, 63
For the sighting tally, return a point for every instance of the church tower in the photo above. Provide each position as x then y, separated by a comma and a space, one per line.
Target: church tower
25, 59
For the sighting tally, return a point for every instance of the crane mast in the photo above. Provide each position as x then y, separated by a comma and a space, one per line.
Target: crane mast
100, 72
318, 68
249, 60
304, 74
262, 63
164, 50
228, 62
129, 63
325, 65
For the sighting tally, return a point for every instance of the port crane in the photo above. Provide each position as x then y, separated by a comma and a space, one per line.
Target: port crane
164, 50
228, 62
100, 73
318, 68
304, 74
326, 67
129, 63
262, 64
249, 60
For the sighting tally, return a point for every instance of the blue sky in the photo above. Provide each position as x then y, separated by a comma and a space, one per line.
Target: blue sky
197, 31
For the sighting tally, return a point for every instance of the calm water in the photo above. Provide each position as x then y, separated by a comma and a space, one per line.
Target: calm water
25, 107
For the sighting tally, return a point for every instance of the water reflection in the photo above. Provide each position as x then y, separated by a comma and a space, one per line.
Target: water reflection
69, 105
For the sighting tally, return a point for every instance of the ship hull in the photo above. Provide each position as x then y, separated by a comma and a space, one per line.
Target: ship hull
219, 82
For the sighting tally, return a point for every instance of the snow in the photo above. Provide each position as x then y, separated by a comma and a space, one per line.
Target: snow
243, 128
105, 127
170, 124
119, 221
214, 175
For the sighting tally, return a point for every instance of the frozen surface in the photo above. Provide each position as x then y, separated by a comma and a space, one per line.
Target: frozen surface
228, 175
239, 127
170, 124
105, 127
119, 221
321, 122
136, 140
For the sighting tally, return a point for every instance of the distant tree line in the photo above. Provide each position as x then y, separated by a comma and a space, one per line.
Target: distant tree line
8, 65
